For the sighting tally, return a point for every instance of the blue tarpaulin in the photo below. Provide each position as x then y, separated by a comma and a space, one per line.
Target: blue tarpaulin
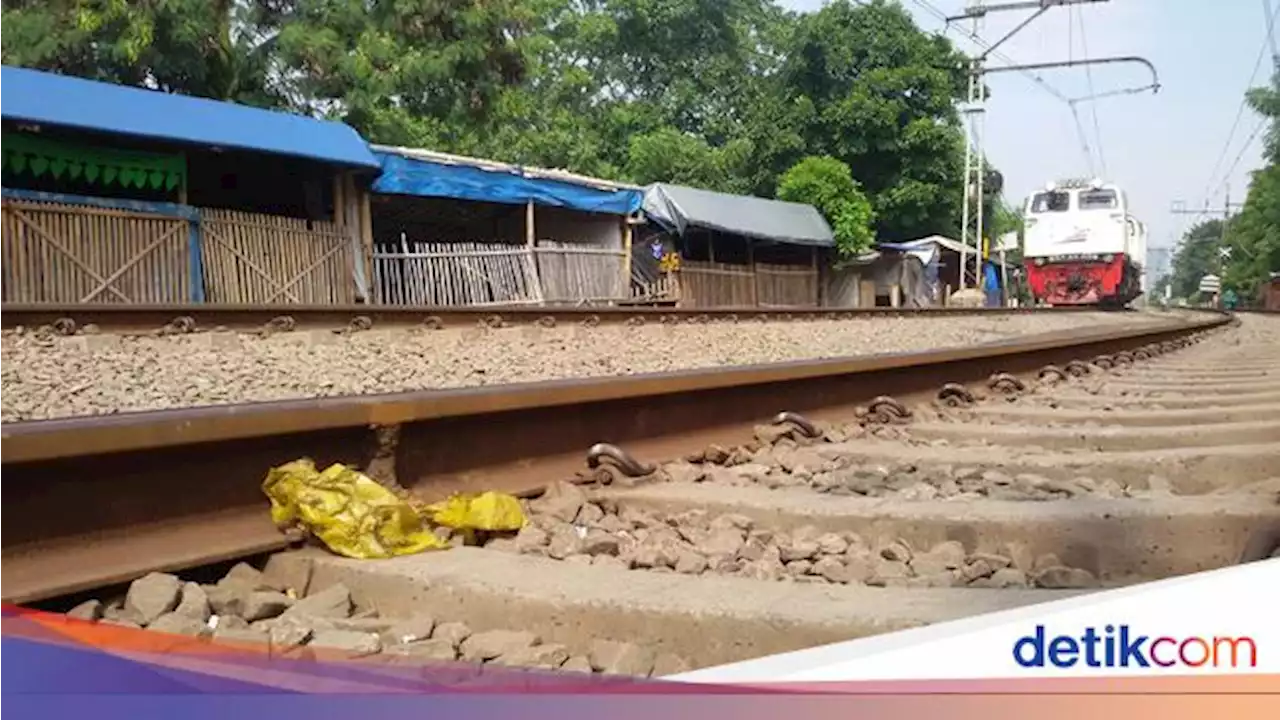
991, 284
404, 175
44, 98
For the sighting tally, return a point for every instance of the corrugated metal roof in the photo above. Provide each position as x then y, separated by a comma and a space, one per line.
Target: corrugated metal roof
783, 222
45, 98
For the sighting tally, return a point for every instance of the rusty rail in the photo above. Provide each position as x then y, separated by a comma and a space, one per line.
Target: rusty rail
151, 318
95, 501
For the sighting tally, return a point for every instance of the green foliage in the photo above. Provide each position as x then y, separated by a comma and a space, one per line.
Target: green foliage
1196, 256
722, 94
1158, 288
1005, 220
862, 84
185, 46
404, 72
827, 184
668, 155
1254, 234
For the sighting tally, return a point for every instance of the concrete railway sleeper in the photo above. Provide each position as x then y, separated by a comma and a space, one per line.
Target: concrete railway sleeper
799, 510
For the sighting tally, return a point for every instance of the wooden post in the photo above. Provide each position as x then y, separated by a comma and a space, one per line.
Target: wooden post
755, 277
817, 284
339, 207
530, 239
866, 291
366, 239
529, 233
626, 258
182, 187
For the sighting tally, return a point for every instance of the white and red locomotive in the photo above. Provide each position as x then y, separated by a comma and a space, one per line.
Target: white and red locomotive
1082, 247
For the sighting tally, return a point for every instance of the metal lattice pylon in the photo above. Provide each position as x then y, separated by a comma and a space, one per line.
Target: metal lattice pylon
972, 221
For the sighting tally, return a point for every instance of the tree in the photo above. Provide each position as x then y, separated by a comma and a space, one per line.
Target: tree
723, 94
827, 184
1195, 257
1158, 288
1254, 235
864, 85
668, 155
407, 72
193, 47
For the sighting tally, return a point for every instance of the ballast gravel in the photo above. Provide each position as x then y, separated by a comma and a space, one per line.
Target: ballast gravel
48, 376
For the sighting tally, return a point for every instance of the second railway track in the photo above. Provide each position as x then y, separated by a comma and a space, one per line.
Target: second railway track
177, 319
898, 491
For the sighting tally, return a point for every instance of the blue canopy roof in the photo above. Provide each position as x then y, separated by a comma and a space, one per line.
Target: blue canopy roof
51, 99
426, 174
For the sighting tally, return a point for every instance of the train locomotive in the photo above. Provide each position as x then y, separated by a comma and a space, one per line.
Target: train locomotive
1082, 247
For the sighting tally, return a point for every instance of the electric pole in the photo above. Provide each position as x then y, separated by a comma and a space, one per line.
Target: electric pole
975, 166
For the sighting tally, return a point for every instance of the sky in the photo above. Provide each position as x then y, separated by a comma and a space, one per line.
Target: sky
1175, 145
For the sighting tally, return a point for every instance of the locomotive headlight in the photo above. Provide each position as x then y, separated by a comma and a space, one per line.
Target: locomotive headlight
1106, 258
1039, 262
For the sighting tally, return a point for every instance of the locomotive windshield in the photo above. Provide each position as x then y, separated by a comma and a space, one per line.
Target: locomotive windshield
1099, 200
1051, 202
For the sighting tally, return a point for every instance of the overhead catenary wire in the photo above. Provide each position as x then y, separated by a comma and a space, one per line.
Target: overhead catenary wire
983, 44
1209, 191
1093, 107
1262, 122
1075, 114
978, 93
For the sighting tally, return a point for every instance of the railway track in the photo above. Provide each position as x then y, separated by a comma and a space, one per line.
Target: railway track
179, 319
878, 493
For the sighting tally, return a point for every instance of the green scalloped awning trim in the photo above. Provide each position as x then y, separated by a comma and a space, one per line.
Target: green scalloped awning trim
38, 157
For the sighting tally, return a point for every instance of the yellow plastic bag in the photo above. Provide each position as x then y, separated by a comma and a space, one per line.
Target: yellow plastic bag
349, 512
355, 516
491, 512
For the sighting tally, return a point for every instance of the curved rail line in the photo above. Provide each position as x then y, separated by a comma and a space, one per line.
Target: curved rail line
275, 318
99, 500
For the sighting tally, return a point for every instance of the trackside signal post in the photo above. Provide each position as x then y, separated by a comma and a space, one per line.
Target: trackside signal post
1222, 251
976, 180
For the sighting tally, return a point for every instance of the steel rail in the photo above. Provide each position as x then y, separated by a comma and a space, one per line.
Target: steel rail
94, 501
151, 318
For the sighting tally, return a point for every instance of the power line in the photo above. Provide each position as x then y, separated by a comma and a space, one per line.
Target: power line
1257, 129
1093, 107
985, 45
1075, 115
1244, 103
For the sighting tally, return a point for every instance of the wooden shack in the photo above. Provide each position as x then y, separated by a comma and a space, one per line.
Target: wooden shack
1271, 293
117, 194
459, 231
734, 250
